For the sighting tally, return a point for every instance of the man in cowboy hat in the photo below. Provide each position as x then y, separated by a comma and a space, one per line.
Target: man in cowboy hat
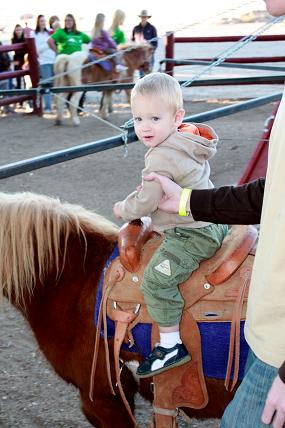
145, 32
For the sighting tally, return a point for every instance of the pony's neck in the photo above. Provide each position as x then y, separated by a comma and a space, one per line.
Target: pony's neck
61, 313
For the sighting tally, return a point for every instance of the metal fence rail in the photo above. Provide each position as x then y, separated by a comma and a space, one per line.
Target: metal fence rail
250, 80
60, 156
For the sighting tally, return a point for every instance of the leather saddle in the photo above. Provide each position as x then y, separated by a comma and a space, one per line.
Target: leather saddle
216, 291
106, 64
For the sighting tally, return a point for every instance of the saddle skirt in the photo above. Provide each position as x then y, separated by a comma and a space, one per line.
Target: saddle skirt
215, 293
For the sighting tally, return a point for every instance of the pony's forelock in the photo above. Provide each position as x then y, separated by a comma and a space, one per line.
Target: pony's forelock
34, 231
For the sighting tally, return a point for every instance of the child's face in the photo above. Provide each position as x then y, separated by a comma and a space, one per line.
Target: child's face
154, 121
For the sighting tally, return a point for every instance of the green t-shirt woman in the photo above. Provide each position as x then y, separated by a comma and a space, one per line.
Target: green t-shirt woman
68, 40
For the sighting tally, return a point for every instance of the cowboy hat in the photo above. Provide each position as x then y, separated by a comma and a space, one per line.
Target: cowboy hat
144, 13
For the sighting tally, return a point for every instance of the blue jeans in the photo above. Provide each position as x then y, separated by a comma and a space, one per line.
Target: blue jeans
46, 71
4, 85
245, 410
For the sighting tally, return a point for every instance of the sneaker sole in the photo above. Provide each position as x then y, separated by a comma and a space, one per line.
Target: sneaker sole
163, 369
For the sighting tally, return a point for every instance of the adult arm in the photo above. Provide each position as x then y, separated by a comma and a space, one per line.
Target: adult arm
229, 204
85, 38
154, 36
52, 44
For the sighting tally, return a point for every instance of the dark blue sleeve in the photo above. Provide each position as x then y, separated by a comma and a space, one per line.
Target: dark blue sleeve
154, 35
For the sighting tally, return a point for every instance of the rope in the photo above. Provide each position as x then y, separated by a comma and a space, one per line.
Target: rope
154, 39
128, 123
123, 132
236, 46
223, 56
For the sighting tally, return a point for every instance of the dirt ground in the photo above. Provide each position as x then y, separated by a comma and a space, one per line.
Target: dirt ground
31, 395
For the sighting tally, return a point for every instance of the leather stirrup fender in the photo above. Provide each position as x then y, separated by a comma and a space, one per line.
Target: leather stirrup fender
131, 239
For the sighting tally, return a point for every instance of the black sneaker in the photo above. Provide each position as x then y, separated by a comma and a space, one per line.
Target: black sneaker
168, 357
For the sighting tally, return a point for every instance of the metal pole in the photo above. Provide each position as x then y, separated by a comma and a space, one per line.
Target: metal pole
53, 158
251, 80
223, 39
178, 62
169, 52
34, 71
256, 166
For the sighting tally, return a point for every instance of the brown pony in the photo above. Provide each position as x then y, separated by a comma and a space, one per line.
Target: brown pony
136, 57
52, 256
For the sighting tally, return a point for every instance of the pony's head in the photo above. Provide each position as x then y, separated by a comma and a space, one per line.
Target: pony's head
138, 56
34, 235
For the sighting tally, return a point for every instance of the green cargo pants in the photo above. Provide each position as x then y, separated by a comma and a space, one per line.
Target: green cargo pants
178, 256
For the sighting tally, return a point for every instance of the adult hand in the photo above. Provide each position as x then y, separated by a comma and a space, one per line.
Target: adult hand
274, 409
172, 192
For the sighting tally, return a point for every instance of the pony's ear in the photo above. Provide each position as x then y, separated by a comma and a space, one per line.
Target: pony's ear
179, 116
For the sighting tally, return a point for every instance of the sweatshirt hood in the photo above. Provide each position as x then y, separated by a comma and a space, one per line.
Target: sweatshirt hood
197, 140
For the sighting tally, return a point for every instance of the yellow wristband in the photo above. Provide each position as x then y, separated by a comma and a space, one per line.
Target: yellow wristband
183, 202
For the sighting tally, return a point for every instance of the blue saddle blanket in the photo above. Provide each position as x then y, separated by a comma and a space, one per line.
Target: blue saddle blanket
106, 65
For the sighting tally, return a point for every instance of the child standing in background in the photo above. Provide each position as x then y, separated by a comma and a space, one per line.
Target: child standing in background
115, 31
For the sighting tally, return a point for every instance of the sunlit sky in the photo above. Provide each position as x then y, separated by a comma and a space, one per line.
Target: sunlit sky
165, 18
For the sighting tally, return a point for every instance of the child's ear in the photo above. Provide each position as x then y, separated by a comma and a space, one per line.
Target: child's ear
179, 115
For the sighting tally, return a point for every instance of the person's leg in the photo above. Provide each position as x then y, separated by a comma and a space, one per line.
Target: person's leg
178, 256
4, 85
245, 410
46, 71
165, 304
166, 269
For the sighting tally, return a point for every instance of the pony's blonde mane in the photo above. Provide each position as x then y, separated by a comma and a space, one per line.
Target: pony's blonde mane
34, 230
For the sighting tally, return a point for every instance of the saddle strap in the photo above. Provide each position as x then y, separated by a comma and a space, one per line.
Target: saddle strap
117, 277
234, 346
122, 320
164, 416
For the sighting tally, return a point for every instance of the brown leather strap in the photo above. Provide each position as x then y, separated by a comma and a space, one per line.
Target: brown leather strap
122, 320
165, 418
166, 412
117, 276
234, 347
107, 355
95, 354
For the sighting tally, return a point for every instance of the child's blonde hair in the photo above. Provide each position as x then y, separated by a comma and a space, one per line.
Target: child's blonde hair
118, 18
160, 85
98, 26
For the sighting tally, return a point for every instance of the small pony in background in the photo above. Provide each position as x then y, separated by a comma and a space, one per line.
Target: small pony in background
69, 72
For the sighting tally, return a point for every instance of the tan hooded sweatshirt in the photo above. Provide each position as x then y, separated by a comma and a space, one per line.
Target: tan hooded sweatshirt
183, 157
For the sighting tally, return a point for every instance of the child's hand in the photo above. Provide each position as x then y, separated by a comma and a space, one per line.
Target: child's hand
116, 210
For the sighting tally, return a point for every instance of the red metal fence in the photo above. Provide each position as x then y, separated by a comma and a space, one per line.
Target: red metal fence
32, 70
171, 40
